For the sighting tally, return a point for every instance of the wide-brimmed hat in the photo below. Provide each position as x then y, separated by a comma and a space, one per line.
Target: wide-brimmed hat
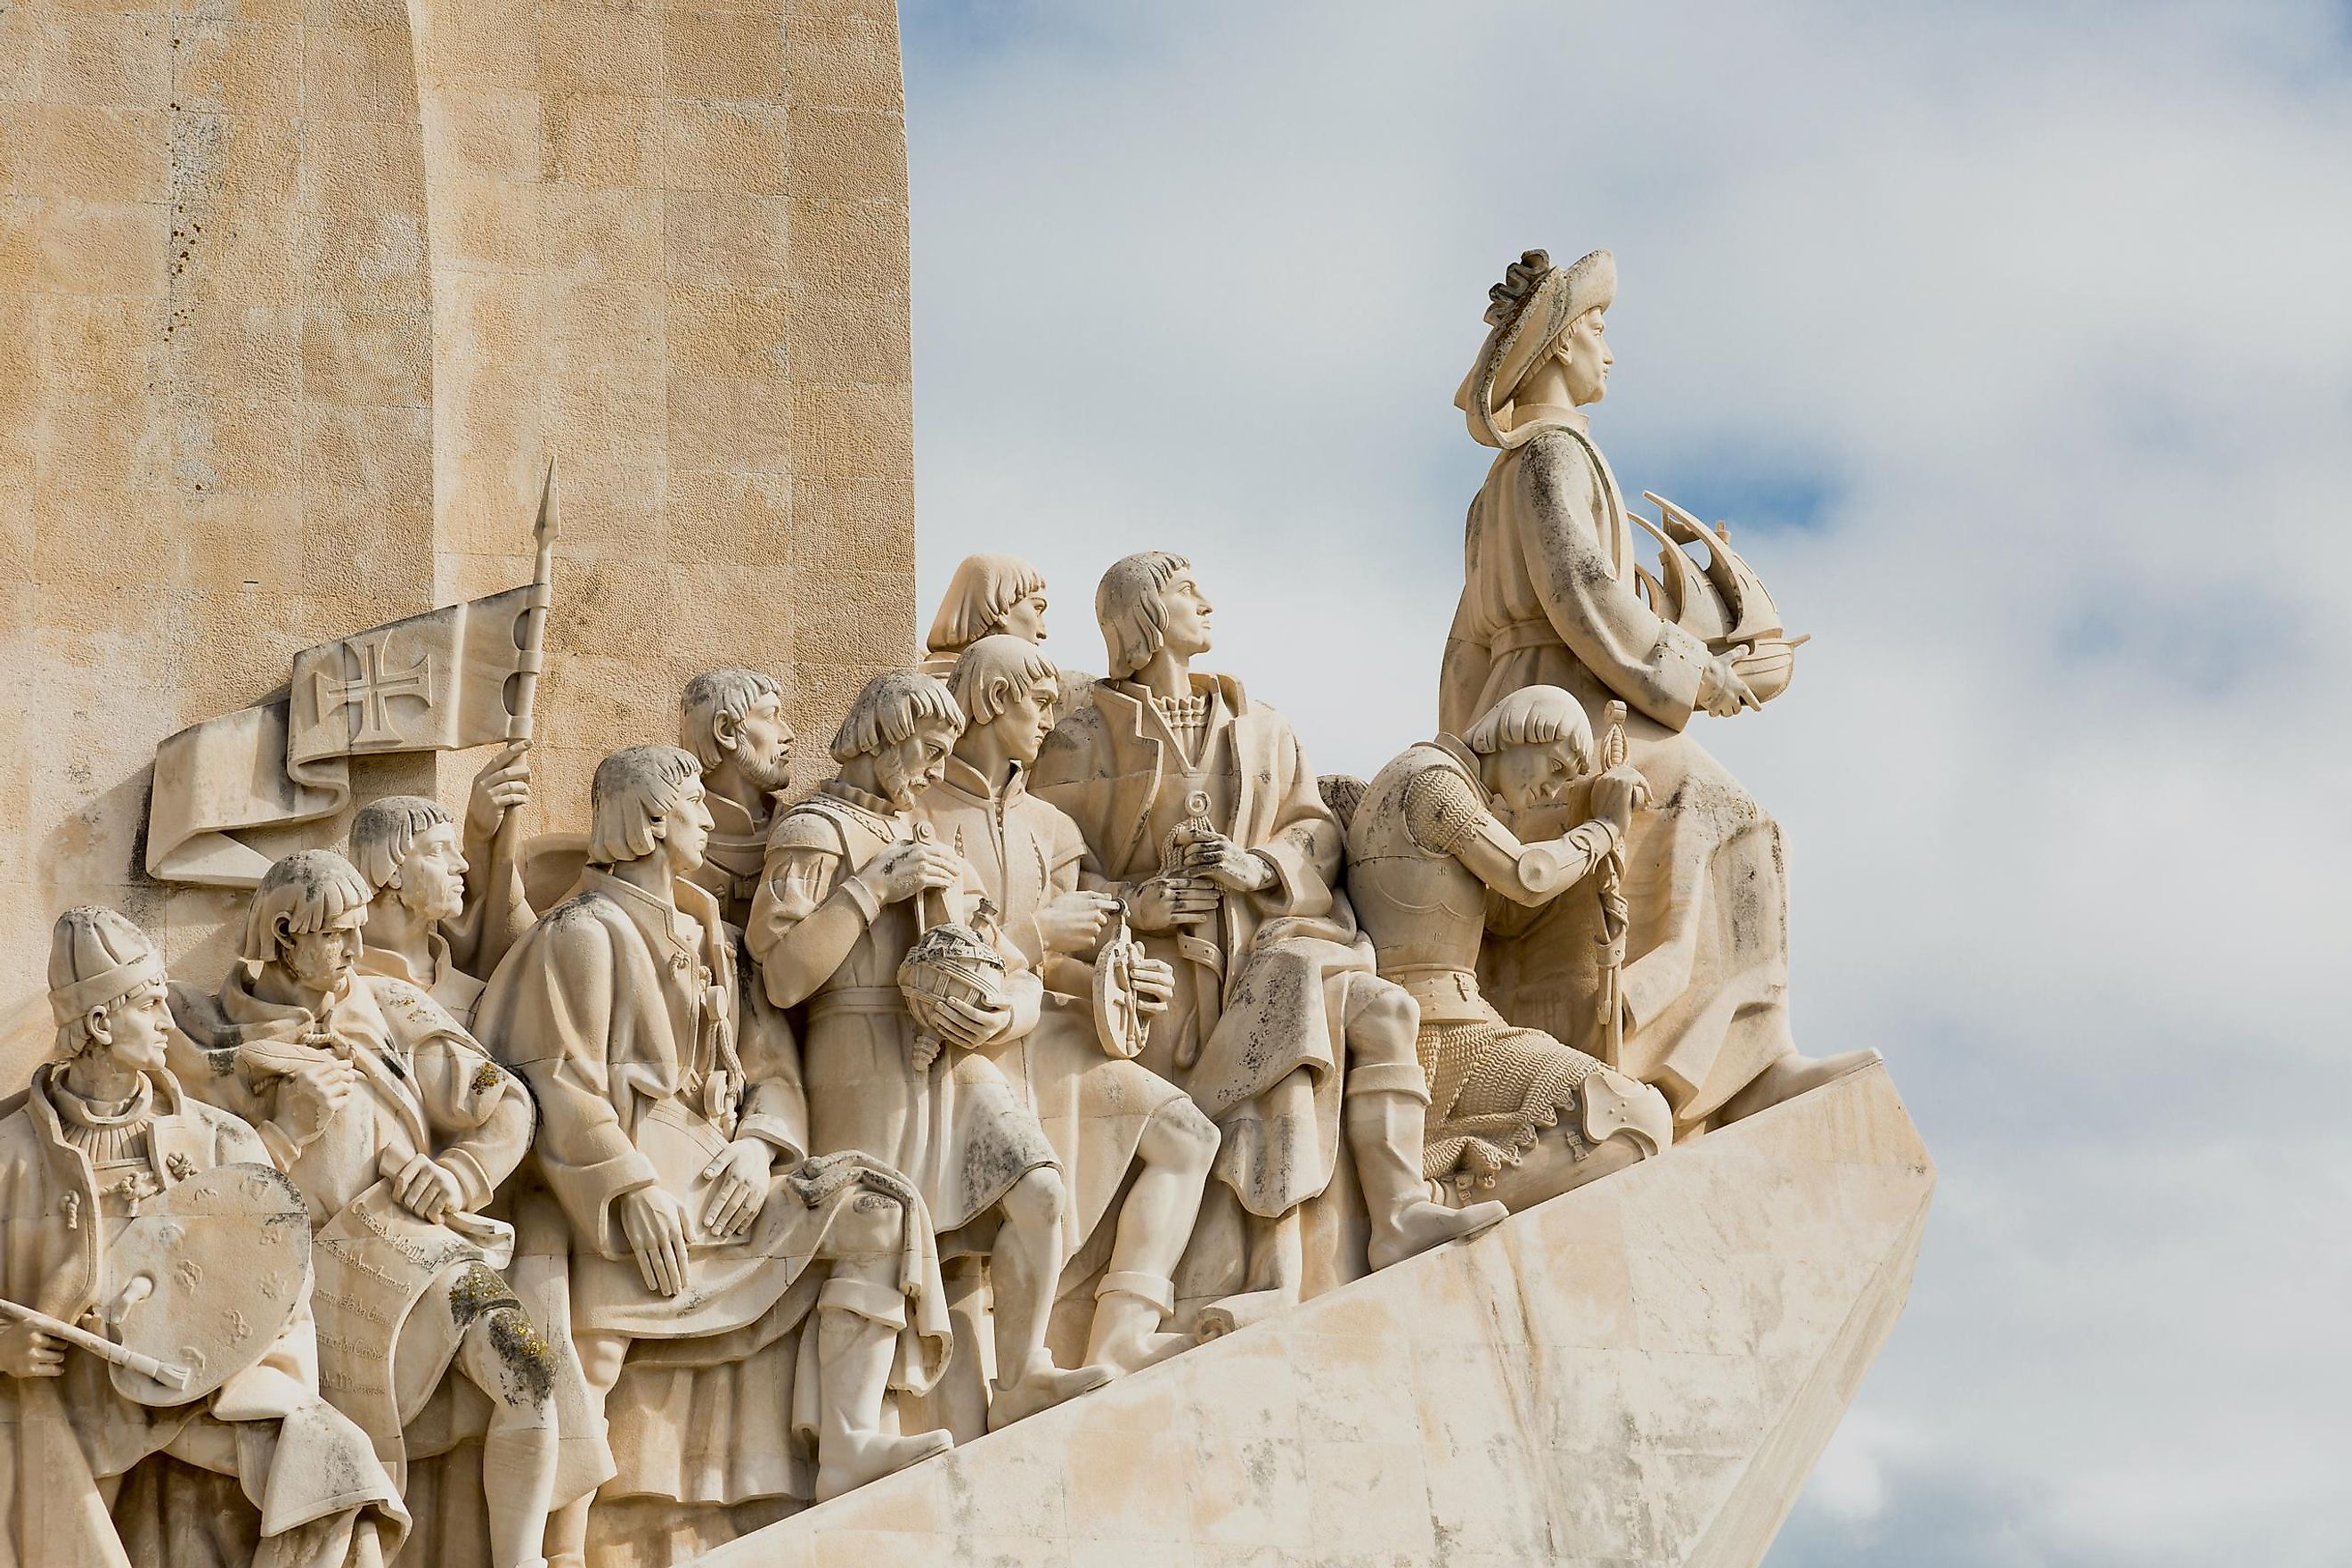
1526, 314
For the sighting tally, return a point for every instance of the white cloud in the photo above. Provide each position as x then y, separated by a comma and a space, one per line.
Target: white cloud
2045, 303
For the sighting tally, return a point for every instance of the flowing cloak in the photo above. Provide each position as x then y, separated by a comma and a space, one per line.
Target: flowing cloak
393, 1290
959, 1129
1122, 775
310, 1483
620, 1011
1548, 598
1093, 1106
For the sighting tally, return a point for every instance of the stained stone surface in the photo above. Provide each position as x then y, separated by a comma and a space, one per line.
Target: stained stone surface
1639, 1372
297, 295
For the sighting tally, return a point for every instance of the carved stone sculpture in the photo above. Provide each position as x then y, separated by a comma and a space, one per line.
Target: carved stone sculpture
1514, 1115
444, 914
1276, 1005
675, 1141
102, 1143
1106, 1116
733, 722
1552, 597
852, 881
398, 1129
995, 595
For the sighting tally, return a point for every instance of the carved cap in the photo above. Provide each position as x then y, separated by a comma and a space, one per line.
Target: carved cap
1526, 313
97, 957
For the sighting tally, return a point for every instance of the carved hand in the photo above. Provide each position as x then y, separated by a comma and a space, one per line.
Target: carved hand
1166, 902
26, 1352
738, 1179
969, 1026
1617, 794
425, 1189
1074, 922
653, 1221
1229, 864
312, 1096
898, 874
503, 785
1722, 693
1155, 985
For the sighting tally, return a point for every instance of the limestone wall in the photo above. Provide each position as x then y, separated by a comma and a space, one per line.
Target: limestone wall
297, 295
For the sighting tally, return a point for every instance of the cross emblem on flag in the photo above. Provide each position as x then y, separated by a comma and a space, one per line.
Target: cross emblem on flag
373, 690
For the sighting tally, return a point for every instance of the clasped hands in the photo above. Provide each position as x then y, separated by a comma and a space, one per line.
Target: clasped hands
652, 1219
1214, 866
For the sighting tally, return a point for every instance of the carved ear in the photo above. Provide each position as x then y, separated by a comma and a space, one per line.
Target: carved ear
726, 731
101, 1032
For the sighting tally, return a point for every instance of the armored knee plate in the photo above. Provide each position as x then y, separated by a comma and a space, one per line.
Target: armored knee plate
1615, 1106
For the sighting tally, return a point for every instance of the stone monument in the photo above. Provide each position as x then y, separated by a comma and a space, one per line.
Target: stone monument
1072, 1132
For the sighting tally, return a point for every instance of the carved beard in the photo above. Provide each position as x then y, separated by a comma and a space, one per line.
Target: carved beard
765, 773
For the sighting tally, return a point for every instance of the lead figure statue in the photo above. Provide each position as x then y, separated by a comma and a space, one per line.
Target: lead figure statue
97, 1148
1106, 1116
853, 879
1514, 1115
397, 1127
675, 1140
1201, 814
1551, 597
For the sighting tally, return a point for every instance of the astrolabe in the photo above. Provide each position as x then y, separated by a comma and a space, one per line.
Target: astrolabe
205, 1277
1120, 1021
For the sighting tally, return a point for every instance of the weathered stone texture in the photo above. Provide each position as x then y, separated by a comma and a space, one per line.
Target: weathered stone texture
1641, 1372
295, 296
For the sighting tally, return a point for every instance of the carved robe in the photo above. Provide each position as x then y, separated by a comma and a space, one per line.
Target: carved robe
395, 1292
308, 1492
457, 991
1549, 599
1292, 956
731, 860
1093, 1107
958, 1129
621, 1013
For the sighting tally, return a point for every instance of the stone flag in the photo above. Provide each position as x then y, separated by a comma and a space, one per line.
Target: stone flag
439, 681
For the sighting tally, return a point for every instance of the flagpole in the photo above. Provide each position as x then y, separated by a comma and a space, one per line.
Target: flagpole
533, 640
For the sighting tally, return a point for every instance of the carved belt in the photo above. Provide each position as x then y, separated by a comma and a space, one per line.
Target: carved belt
855, 999
1523, 635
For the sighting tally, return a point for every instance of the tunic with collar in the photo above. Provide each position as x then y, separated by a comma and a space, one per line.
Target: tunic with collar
1093, 1106
455, 990
1549, 598
958, 1129
738, 847
315, 1488
1269, 1070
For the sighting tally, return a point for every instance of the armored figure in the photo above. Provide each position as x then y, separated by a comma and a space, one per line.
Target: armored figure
1514, 1113
852, 882
674, 1137
397, 1127
96, 1160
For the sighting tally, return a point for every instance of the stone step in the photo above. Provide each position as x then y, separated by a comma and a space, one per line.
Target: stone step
1640, 1372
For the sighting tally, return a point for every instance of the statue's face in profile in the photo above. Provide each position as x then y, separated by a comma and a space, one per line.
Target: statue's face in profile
1187, 609
685, 828
1027, 718
764, 744
1533, 775
1584, 358
432, 876
1026, 619
320, 960
914, 764
138, 1028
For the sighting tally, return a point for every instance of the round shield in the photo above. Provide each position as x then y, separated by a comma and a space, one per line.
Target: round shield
205, 1276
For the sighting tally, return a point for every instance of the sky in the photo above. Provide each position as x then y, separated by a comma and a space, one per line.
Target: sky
2014, 343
